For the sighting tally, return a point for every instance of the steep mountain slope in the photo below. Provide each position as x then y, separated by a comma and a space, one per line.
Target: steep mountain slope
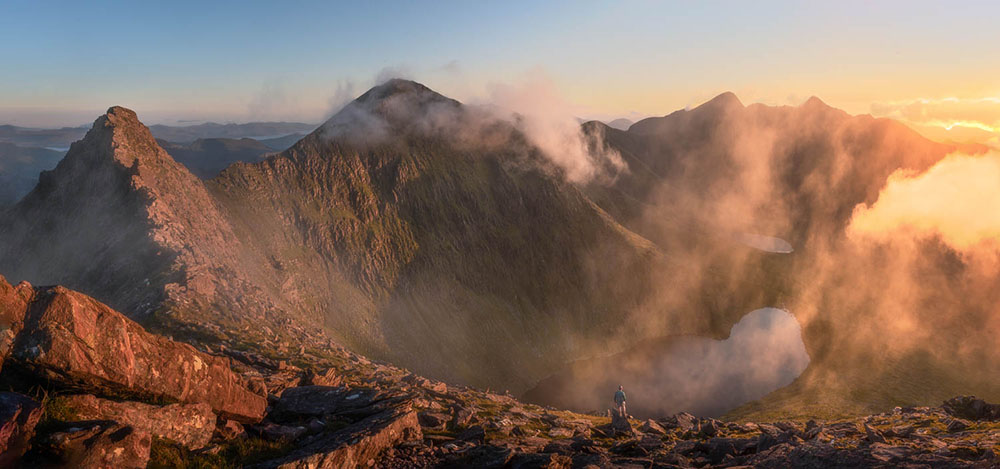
441, 236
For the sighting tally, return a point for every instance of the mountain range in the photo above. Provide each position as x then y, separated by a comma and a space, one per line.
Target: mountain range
414, 229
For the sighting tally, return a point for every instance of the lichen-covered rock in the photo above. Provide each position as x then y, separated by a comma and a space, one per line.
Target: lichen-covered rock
356, 444
99, 444
18, 416
188, 424
74, 340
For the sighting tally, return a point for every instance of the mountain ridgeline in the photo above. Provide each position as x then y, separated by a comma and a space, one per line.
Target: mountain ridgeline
415, 229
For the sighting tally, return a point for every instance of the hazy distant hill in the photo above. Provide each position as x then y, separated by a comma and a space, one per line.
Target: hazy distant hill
282, 143
257, 130
206, 157
19, 169
61, 138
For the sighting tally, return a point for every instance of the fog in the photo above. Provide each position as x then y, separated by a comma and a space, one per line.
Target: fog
703, 376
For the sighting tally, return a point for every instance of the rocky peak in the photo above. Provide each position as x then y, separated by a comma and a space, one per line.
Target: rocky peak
389, 108
724, 101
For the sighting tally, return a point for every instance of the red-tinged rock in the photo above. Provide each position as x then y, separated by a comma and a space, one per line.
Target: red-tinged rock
75, 340
231, 429
356, 444
188, 424
18, 416
100, 444
14, 303
329, 377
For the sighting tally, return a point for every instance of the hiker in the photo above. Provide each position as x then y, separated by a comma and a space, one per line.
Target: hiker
620, 401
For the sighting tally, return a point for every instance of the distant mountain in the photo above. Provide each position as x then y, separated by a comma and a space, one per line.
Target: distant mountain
620, 124
19, 169
63, 137
207, 157
257, 130
55, 138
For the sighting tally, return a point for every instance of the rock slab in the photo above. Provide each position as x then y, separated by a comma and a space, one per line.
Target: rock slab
188, 424
75, 340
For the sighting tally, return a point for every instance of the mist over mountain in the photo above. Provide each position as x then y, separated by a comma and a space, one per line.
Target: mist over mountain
443, 238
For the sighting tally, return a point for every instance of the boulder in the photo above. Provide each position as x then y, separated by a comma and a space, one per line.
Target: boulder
969, 407
99, 444
650, 426
683, 421
462, 416
74, 340
873, 435
620, 425
329, 377
708, 428
18, 416
190, 425
957, 425
230, 429
433, 420
473, 433
356, 444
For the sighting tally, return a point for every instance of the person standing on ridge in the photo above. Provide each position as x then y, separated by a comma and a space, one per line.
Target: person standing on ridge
620, 401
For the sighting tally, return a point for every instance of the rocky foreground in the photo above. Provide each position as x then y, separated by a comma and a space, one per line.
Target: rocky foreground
89, 387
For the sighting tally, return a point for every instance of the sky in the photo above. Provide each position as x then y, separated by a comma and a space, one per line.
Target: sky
933, 65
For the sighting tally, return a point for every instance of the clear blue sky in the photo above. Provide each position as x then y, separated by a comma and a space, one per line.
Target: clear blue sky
64, 62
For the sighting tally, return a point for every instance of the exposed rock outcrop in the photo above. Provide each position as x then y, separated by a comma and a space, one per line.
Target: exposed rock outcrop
356, 445
74, 340
98, 445
190, 425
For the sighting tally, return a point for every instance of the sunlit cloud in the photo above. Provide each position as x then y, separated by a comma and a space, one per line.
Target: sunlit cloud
964, 120
956, 199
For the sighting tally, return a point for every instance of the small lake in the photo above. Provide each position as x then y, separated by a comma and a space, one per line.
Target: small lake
705, 377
